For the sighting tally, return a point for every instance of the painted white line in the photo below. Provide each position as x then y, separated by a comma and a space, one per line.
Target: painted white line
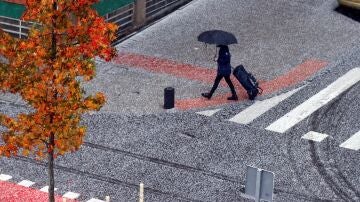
208, 112
260, 107
4, 177
314, 136
353, 142
46, 189
95, 200
26, 183
71, 195
316, 102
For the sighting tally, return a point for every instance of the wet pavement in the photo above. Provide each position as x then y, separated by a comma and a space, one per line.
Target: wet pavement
184, 156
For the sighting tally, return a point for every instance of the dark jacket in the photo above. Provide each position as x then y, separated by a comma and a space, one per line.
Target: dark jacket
224, 67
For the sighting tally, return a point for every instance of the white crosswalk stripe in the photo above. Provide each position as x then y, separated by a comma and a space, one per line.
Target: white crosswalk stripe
353, 142
260, 107
316, 102
26, 183
95, 200
71, 195
46, 189
208, 112
314, 136
300, 112
4, 177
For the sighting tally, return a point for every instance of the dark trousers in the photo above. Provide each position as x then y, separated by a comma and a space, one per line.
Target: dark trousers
228, 81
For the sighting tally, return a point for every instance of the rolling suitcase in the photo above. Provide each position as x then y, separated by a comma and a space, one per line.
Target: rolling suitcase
248, 81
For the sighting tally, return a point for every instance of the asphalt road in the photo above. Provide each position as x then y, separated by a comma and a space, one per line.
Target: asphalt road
185, 156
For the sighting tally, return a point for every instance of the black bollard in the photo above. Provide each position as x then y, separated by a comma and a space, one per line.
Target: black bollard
169, 98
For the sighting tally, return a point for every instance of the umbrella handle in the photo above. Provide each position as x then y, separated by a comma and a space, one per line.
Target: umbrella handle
214, 59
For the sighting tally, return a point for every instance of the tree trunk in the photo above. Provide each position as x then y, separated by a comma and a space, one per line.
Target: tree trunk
51, 168
51, 145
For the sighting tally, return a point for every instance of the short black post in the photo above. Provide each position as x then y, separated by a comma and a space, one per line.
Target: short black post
169, 98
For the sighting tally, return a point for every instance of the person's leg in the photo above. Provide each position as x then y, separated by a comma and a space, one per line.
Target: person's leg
233, 92
215, 85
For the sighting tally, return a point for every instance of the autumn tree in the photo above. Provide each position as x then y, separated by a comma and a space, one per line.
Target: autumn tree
46, 70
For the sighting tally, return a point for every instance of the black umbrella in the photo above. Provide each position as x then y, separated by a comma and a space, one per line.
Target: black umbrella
217, 37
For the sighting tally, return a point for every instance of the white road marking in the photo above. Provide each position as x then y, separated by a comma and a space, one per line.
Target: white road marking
46, 189
316, 102
353, 142
208, 112
95, 200
26, 183
315, 136
260, 107
71, 195
4, 177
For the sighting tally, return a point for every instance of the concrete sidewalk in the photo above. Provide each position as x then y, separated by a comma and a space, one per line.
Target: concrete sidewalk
274, 38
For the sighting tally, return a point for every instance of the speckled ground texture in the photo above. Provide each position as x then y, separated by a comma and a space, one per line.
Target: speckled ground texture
183, 156
274, 36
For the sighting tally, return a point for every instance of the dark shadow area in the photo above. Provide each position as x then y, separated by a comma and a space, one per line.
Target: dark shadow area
349, 12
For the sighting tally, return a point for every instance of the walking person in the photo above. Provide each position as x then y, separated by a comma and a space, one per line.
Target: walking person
223, 71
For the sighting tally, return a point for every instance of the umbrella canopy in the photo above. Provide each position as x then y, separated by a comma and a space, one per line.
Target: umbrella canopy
217, 37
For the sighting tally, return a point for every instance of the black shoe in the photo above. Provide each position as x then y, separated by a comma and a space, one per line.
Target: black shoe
207, 95
234, 97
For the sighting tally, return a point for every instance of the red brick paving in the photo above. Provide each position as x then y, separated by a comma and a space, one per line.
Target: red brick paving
296, 75
11, 192
206, 75
158, 65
